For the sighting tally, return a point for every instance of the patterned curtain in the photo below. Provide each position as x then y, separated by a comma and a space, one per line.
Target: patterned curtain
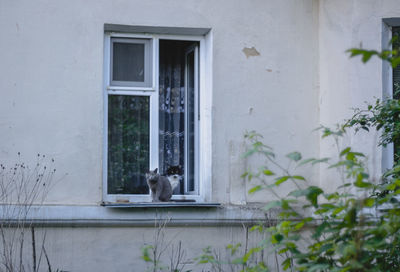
172, 106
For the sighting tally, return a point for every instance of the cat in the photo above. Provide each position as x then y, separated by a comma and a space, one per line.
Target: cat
174, 175
160, 187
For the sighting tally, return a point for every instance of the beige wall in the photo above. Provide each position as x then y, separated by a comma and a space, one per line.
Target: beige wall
52, 67
348, 83
119, 249
52, 62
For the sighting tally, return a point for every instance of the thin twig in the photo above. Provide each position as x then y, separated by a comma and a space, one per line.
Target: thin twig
33, 249
47, 258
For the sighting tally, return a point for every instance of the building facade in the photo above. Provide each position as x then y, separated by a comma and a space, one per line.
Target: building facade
111, 89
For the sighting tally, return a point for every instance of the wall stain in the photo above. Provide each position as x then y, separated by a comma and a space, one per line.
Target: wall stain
250, 52
270, 70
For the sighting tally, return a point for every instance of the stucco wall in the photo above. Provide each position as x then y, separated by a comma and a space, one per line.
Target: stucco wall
52, 63
119, 249
348, 83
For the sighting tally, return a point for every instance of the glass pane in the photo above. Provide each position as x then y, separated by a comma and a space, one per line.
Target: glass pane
128, 62
128, 144
190, 120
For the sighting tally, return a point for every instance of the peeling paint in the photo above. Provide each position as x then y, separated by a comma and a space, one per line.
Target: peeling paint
250, 52
269, 70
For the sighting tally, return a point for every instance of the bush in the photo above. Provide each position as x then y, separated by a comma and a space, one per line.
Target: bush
356, 227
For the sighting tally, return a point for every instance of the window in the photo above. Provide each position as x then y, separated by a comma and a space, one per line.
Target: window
396, 86
391, 85
152, 114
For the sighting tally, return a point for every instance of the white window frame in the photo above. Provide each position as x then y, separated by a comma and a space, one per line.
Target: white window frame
202, 128
387, 161
148, 73
195, 51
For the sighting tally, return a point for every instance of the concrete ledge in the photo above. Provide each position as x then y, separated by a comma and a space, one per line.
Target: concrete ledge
156, 29
98, 216
161, 205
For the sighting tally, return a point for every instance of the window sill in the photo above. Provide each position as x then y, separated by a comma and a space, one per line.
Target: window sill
199, 214
171, 204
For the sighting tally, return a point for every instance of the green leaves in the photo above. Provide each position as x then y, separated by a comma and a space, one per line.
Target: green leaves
369, 202
345, 151
255, 189
298, 177
276, 238
360, 183
339, 223
233, 248
313, 161
388, 55
268, 172
365, 54
343, 232
272, 204
281, 180
295, 156
395, 62
311, 193
146, 254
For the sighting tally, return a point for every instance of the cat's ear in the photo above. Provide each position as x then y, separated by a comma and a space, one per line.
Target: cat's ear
155, 171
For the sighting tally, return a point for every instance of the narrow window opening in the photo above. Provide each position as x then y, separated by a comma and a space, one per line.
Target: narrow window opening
177, 95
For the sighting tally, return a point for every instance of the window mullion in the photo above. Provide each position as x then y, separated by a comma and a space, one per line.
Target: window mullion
106, 82
196, 118
154, 104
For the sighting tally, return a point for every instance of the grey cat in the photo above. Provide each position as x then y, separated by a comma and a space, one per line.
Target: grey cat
160, 187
